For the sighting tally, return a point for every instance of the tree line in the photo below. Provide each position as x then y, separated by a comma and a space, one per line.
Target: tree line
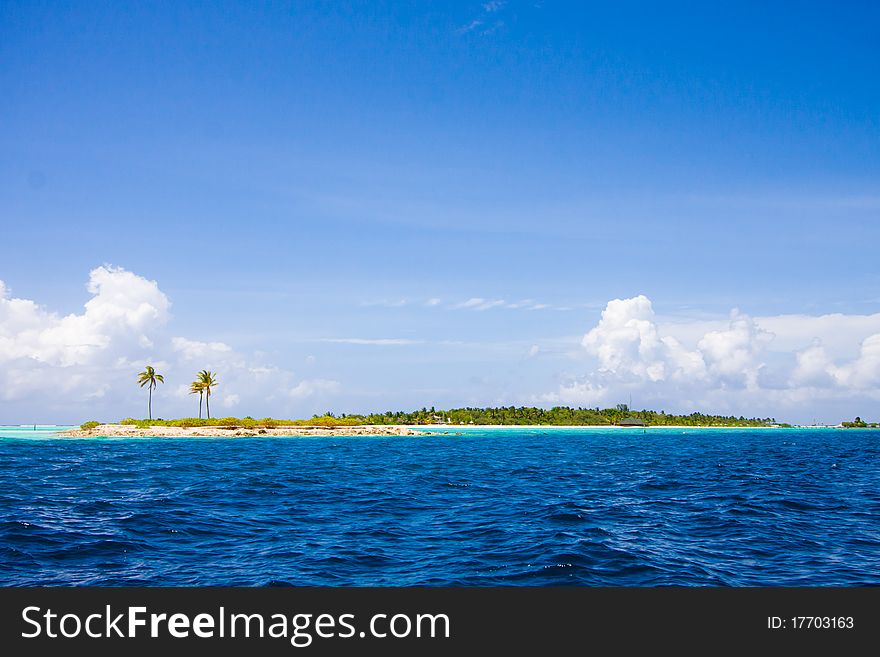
558, 415
206, 381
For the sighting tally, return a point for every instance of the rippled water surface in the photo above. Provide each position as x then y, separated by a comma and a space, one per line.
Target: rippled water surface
502, 507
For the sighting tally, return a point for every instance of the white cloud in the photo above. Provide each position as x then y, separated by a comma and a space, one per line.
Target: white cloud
229, 401
478, 303
314, 387
434, 301
37, 345
193, 349
124, 307
84, 364
864, 371
577, 393
469, 27
627, 344
733, 355
840, 334
814, 367
741, 364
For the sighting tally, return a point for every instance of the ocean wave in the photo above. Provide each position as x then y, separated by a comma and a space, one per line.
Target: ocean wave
509, 508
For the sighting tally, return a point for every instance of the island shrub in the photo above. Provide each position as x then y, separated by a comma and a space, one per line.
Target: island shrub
143, 424
247, 422
510, 415
91, 424
328, 420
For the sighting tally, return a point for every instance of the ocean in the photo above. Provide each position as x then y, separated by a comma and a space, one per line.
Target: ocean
506, 507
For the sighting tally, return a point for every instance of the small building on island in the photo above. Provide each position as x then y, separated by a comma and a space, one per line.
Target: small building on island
632, 422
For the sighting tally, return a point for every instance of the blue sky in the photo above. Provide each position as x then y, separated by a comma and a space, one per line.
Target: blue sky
295, 174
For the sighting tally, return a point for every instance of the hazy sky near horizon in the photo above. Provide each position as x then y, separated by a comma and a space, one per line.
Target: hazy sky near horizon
381, 205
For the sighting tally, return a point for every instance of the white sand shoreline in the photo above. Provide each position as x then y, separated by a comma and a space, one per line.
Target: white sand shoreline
132, 431
457, 427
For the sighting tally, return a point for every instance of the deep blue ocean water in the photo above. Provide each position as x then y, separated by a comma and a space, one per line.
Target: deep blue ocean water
504, 507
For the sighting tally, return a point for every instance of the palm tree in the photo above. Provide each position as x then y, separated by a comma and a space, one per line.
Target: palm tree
207, 381
197, 387
149, 378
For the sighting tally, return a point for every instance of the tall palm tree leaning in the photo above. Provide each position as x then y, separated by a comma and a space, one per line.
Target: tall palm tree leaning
196, 387
149, 378
207, 381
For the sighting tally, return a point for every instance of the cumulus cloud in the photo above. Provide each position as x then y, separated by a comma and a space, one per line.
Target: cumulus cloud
84, 364
124, 308
42, 351
742, 362
733, 356
814, 366
627, 344
864, 371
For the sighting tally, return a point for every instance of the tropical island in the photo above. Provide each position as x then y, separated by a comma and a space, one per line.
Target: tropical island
859, 423
389, 423
229, 427
404, 423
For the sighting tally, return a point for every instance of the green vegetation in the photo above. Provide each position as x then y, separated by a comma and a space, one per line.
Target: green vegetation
505, 415
91, 424
558, 416
523, 416
247, 422
859, 423
149, 378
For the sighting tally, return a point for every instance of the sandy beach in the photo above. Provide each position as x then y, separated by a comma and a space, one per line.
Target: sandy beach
591, 427
131, 431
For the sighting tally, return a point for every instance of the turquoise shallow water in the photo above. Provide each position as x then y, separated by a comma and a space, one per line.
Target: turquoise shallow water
502, 507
